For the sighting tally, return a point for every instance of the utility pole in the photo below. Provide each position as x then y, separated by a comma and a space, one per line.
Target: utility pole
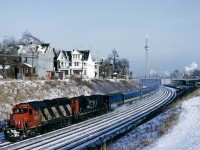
82, 67
32, 74
32, 70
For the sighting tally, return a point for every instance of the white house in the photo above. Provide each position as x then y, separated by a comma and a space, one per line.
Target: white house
41, 57
76, 62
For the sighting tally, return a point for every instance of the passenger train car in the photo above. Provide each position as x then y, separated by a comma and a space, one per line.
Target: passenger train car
37, 117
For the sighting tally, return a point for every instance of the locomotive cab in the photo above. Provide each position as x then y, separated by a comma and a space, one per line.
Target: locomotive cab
22, 119
20, 116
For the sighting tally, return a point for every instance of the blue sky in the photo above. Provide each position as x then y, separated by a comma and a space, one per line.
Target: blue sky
173, 27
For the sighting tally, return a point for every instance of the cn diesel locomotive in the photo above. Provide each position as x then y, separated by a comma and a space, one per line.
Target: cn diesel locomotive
37, 117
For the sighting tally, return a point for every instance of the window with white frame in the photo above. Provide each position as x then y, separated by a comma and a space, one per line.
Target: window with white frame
76, 63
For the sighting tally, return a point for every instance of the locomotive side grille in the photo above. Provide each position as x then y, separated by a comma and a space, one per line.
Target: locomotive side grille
44, 116
69, 109
55, 112
51, 112
66, 109
59, 111
63, 111
46, 111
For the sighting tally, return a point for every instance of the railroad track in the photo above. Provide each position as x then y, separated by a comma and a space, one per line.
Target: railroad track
2, 141
85, 133
86, 123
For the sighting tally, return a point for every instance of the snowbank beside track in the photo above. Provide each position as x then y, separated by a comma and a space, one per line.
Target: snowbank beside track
186, 134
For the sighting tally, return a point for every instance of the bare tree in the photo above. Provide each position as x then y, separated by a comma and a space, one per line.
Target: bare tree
124, 66
114, 58
175, 74
8, 53
27, 37
105, 69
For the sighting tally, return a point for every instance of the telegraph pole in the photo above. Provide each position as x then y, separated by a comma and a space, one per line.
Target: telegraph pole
82, 67
32, 74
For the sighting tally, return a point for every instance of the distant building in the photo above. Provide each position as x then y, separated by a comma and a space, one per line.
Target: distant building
105, 68
25, 71
41, 57
76, 62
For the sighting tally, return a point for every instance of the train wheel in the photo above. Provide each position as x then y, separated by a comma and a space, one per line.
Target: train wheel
21, 138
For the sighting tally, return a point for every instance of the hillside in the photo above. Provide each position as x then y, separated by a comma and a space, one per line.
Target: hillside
15, 91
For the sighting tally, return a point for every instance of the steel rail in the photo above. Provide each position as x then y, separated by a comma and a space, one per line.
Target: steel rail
89, 125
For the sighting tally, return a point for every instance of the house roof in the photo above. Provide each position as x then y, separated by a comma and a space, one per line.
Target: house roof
84, 52
67, 53
28, 65
46, 45
43, 47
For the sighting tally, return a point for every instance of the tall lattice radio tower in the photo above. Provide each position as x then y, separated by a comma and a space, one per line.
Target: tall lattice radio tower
147, 61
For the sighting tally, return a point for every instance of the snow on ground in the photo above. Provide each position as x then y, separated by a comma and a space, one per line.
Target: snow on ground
148, 132
176, 129
186, 135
